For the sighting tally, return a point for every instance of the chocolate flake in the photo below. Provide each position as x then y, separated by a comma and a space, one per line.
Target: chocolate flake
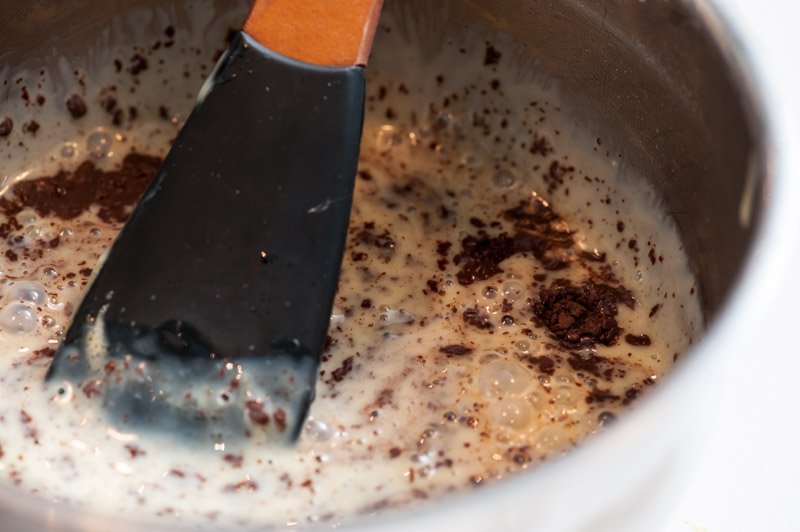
638, 340
137, 64
341, 372
76, 106
455, 350
256, 413
492, 56
6, 127
580, 315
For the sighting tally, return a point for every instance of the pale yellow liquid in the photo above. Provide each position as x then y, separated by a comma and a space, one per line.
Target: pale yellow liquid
407, 424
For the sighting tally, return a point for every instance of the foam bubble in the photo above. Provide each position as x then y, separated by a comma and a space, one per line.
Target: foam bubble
566, 398
99, 144
28, 292
470, 160
317, 430
513, 290
18, 319
504, 178
27, 217
392, 317
69, 150
387, 138
513, 413
503, 377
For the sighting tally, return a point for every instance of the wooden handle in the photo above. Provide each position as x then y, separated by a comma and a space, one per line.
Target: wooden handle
320, 32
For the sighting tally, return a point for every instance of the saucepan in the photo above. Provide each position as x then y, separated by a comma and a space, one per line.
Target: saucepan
675, 83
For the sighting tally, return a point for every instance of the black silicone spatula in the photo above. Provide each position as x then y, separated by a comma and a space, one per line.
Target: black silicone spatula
211, 308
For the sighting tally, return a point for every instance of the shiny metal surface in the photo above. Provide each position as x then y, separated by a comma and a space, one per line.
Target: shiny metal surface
650, 73
663, 81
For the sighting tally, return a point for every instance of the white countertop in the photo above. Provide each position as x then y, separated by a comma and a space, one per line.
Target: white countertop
748, 478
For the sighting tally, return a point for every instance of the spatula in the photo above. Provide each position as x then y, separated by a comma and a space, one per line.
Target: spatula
210, 310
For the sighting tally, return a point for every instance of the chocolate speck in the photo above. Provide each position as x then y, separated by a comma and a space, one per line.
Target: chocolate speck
601, 396
492, 56
638, 340
6, 127
341, 372
543, 363
137, 64
76, 106
31, 127
256, 413
455, 350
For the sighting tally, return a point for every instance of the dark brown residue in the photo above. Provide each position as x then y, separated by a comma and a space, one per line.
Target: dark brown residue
455, 350
6, 127
638, 339
76, 106
492, 56
582, 315
538, 230
474, 317
67, 195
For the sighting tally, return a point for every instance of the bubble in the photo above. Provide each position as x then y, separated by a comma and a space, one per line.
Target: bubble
606, 418
504, 178
54, 304
427, 438
317, 430
566, 399
64, 393
27, 217
548, 439
442, 121
95, 232
69, 150
513, 413
536, 400
488, 357
448, 124
50, 272
523, 347
513, 291
18, 319
587, 353
99, 144
470, 160
337, 318
503, 377
33, 233
387, 138
28, 292
392, 317
639, 276
65, 233
48, 322
490, 292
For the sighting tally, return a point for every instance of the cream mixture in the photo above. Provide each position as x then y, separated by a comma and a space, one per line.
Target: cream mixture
508, 288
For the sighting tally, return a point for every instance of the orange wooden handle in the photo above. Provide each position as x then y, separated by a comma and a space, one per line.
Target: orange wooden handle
320, 32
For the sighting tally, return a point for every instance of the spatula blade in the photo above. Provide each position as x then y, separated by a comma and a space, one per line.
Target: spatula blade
220, 286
